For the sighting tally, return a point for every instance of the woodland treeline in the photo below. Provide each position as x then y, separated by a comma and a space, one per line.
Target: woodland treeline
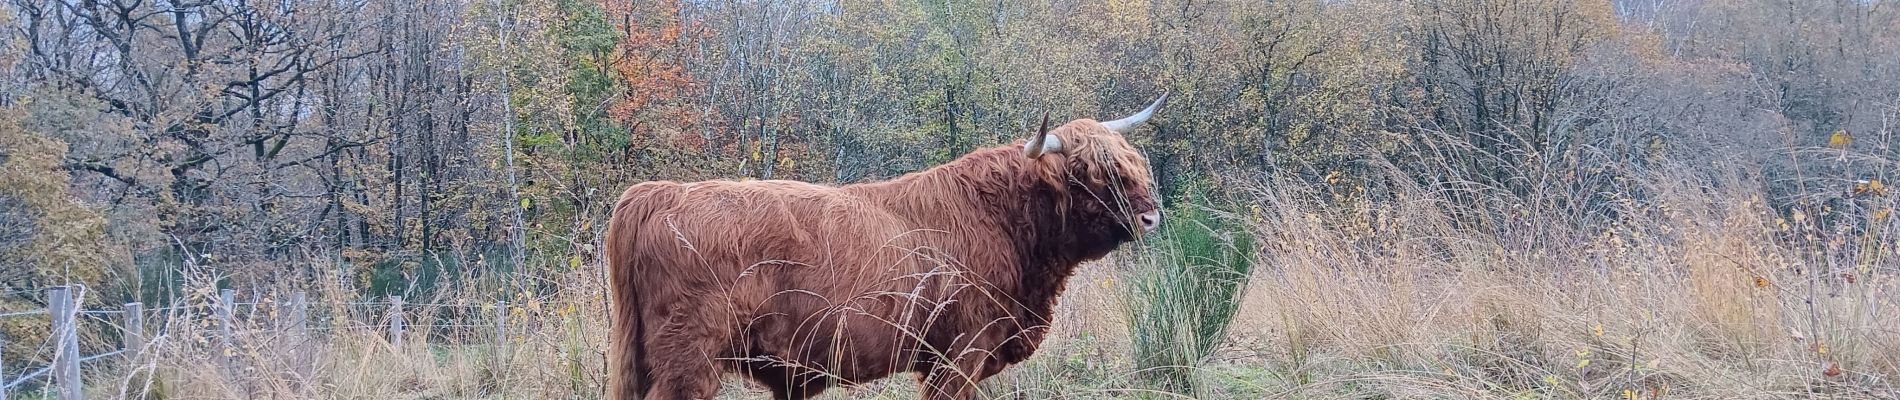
411, 146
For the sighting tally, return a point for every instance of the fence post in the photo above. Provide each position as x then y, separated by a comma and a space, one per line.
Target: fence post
3, 369
395, 321
227, 299
296, 321
65, 328
134, 331
298, 315
501, 331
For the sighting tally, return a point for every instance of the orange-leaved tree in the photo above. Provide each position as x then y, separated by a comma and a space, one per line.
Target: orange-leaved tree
657, 105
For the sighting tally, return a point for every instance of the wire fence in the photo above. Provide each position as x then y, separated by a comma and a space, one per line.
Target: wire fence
232, 323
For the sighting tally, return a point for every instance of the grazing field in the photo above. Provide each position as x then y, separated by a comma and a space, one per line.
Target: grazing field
1701, 293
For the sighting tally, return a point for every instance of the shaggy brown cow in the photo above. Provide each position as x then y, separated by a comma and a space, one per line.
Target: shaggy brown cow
951, 272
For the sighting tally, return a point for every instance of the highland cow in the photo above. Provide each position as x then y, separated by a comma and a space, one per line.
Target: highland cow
950, 273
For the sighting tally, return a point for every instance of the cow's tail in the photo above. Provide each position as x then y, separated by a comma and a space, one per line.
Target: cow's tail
626, 365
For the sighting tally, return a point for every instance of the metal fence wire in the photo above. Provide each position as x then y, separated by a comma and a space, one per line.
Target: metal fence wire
232, 323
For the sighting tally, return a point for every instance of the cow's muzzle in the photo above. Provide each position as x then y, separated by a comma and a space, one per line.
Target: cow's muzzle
1149, 220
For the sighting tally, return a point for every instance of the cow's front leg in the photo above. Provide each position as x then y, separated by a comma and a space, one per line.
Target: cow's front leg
955, 380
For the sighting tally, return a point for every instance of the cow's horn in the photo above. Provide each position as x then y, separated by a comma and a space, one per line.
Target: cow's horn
1125, 125
1043, 143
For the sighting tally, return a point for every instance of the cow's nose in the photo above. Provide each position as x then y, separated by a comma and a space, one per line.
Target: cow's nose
1150, 220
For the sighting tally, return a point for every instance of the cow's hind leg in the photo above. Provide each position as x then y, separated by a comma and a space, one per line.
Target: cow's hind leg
682, 354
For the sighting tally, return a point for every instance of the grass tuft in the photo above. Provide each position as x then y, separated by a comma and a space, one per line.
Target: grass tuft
1180, 301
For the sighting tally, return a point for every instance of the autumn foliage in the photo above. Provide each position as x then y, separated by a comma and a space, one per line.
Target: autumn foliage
1451, 198
649, 60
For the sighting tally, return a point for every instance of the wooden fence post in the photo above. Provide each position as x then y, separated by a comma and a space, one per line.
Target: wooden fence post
3, 370
227, 352
298, 315
501, 332
296, 321
134, 331
65, 328
395, 321
227, 304
500, 323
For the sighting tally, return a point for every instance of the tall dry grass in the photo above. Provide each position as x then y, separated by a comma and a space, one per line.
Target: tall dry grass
1699, 288
456, 345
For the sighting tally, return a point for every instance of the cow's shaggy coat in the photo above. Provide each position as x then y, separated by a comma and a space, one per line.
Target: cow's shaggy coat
950, 273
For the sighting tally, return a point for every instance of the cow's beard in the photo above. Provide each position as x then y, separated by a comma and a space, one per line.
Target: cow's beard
1103, 227
1103, 219
1122, 232
1102, 233
1119, 227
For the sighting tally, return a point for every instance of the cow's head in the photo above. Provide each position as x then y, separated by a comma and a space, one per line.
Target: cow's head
1109, 190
